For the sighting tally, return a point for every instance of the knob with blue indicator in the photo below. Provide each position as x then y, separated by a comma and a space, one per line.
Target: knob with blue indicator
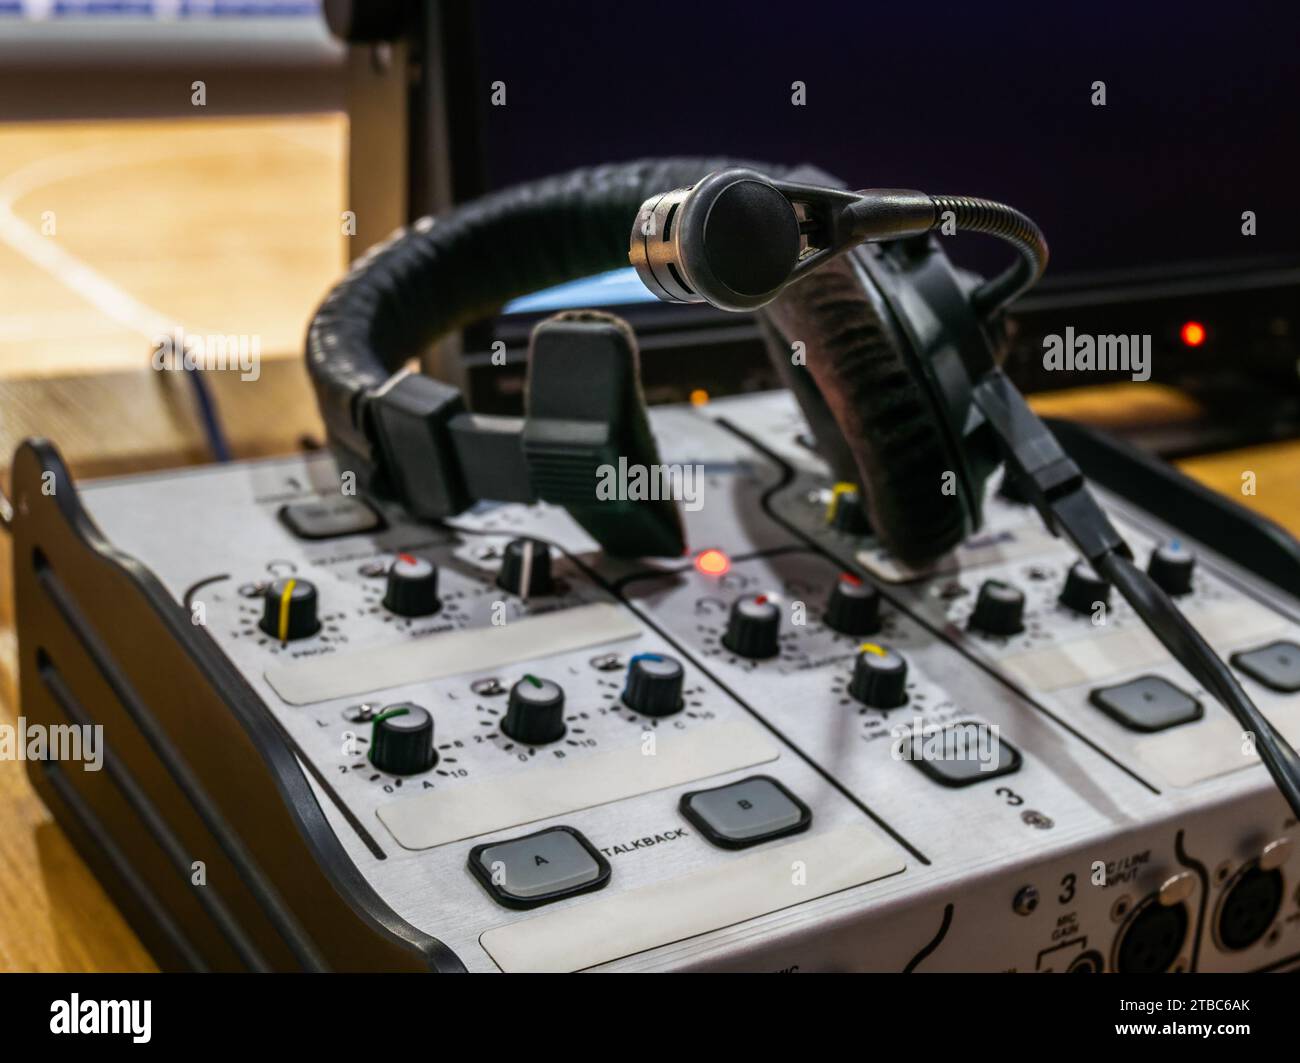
654, 684
1172, 566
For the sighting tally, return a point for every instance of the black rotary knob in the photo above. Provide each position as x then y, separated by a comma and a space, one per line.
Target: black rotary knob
879, 677
412, 587
753, 628
401, 740
854, 607
535, 713
1084, 589
289, 610
1172, 566
847, 513
999, 609
654, 684
526, 568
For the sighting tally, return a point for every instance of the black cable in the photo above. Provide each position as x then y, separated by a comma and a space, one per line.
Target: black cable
974, 215
1182, 640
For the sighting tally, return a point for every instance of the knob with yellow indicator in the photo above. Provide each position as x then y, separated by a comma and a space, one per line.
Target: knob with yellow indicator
845, 511
879, 677
289, 610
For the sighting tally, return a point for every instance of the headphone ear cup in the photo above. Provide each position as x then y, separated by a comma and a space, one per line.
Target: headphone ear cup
882, 409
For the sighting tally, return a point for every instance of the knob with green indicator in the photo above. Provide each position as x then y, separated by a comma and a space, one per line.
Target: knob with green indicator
535, 712
401, 740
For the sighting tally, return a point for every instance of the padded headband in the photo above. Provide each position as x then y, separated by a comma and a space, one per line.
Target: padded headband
443, 273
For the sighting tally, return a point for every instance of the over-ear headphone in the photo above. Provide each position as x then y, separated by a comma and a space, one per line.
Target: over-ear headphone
892, 337
903, 349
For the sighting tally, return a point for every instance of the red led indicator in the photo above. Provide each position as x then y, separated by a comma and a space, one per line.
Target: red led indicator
1193, 333
712, 562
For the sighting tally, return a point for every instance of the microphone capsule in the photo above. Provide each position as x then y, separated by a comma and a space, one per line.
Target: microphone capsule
732, 240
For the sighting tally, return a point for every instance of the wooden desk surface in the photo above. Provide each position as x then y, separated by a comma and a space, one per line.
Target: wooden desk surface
53, 915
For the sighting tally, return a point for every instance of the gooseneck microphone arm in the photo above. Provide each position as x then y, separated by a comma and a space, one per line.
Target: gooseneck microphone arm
889, 213
997, 219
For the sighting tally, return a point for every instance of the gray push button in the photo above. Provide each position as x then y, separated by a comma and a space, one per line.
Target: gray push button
1148, 703
539, 868
1276, 665
328, 518
745, 813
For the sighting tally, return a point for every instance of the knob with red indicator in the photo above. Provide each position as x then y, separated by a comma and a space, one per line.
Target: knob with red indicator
854, 607
412, 587
753, 628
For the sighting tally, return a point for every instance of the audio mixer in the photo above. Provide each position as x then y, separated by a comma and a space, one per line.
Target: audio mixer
339, 738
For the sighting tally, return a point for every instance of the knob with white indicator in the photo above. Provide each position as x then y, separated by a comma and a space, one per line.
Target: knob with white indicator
999, 609
526, 568
1084, 589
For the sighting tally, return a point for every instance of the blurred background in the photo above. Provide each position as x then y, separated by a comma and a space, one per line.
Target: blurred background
213, 167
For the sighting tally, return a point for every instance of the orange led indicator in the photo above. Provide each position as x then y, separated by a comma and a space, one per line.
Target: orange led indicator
712, 562
699, 397
1193, 333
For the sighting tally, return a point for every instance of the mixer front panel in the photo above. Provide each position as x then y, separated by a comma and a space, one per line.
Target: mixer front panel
785, 754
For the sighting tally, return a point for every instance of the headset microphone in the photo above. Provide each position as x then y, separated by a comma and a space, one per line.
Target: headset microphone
736, 238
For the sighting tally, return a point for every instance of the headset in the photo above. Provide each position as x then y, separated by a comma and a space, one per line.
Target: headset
901, 371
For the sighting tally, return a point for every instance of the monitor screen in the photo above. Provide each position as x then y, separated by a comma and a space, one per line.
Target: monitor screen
1198, 123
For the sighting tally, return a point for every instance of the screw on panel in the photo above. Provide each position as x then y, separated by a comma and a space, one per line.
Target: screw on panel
1026, 900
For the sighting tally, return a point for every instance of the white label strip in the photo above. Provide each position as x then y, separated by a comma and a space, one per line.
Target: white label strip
468, 810
991, 547
1098, 657
1193, 753
1196, 752
342, 675
606, 927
